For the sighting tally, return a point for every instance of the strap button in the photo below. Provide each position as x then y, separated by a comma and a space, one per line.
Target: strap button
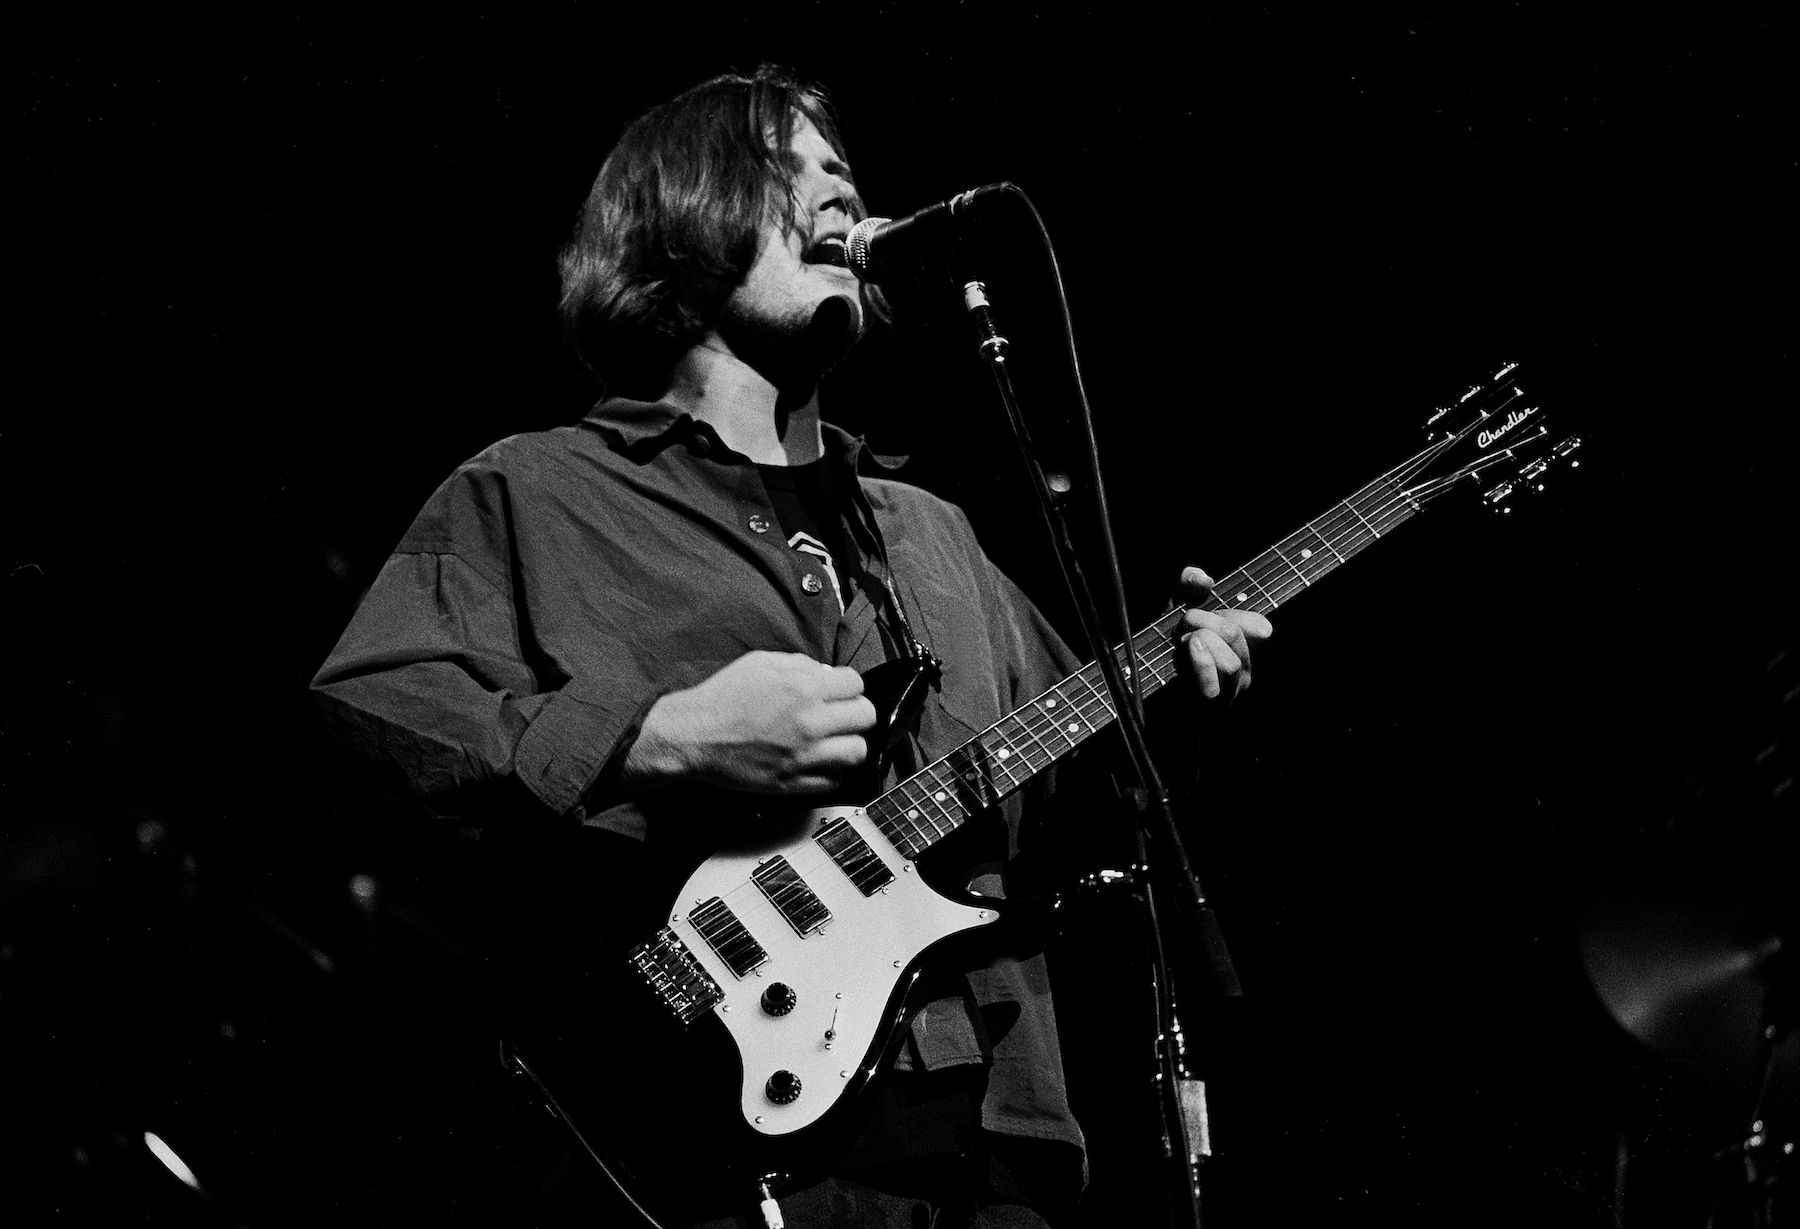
812, 584
759, 524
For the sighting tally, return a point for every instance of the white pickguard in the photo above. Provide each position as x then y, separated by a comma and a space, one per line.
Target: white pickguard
842, 974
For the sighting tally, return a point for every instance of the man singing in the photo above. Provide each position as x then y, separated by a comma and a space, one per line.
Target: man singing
654, 622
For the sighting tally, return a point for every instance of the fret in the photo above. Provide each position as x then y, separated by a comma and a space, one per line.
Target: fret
920, 812
1354, 539
887, 820
1260, 574
1402, 505
1037, 707
1352, 532
1359, 516
1078, 722
985, 769
1229, 591
889, 816
918, 819
904, 810
1310, 549
1251, 580
1000, 751
940, 795
973, 783
1326, 542
1305, 583
1053, 720
1098, 692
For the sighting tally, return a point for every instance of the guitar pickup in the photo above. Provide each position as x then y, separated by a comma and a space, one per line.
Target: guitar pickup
730, 942
854, 857
796, 902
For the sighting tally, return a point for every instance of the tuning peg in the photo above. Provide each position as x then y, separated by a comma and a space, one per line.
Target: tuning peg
1497, 495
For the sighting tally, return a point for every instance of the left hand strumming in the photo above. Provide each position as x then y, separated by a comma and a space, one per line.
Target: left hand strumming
1216, 642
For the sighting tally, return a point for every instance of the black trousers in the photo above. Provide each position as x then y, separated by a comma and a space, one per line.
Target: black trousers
921, 1162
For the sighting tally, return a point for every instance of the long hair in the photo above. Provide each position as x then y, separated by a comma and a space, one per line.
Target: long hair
672, 223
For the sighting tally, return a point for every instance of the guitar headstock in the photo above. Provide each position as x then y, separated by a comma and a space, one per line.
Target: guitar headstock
1493, 436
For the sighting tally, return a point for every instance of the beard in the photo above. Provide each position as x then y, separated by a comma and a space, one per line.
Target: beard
793, 348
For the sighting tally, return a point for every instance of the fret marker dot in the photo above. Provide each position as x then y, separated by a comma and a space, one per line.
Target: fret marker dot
1306, 554
913, 814
939, 796
1005, 752
1243, 597
1074, 726
1049, 703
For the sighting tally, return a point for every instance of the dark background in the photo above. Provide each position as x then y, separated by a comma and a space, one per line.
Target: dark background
281, 273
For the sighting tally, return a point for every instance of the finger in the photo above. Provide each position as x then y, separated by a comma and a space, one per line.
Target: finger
1194, 585
1218, 622
837, 754
807, 784
1205, 671
835, 717
838, 683
1251, 624
1224, 657
1237, 628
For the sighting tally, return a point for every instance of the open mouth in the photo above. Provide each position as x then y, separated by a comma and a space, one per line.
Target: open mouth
828, 251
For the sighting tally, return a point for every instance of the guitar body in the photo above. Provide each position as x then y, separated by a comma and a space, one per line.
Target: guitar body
761, 1079
722, 1033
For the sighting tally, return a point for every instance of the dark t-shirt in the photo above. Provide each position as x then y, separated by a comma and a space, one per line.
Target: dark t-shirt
809, 511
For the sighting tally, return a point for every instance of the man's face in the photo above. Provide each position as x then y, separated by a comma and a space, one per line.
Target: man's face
795, 310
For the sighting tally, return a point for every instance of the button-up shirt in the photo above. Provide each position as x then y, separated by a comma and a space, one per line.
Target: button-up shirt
561, 581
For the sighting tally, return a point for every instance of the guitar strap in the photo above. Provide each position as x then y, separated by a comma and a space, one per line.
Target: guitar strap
867, 532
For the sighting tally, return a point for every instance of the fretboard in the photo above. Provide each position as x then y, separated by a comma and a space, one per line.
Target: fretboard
944, 795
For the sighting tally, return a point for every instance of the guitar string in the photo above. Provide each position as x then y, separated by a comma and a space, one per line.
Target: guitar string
1035, 720
1341, 524
1393, 501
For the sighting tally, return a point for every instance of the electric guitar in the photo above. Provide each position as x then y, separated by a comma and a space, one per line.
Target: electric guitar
728, 1037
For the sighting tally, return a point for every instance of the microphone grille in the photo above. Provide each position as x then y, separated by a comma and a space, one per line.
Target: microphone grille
856, 244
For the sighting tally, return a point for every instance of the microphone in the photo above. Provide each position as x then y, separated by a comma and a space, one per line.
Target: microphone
878, 249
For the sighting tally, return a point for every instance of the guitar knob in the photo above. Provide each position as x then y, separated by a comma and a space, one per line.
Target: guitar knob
783, 1088
779, 999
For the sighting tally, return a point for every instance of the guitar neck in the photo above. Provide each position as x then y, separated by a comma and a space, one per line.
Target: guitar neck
944, 795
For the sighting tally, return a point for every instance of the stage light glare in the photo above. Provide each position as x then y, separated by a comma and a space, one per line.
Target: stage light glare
171, 1162
363, 888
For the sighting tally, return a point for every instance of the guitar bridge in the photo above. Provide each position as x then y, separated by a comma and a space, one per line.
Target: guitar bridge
675, 976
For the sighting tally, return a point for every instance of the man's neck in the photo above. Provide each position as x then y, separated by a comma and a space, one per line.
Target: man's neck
751, 414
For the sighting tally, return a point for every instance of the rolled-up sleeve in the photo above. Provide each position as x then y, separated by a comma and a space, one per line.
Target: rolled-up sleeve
436, 690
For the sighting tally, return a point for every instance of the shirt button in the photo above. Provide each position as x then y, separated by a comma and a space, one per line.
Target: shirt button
812, 584
759, 524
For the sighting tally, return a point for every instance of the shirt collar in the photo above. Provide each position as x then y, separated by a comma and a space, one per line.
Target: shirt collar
637, 421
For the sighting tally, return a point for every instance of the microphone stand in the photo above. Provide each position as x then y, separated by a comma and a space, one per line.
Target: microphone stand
1205, 958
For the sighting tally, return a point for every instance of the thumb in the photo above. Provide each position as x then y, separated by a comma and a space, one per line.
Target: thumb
1194, 585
